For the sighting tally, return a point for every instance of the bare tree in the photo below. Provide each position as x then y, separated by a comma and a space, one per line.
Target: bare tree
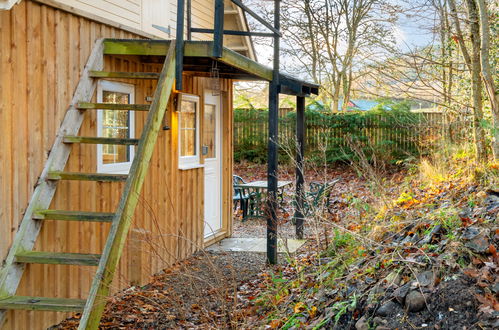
487, 73
475, 70
448, 70
330, 40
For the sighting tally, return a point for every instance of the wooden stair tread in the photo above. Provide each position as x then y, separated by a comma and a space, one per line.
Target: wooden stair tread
99, 140
58, 258
112, 106
73, 215
124, 75
43, 304
104, 177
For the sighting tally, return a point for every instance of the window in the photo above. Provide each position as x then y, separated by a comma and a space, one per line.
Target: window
113, 158
209, 131
188, 131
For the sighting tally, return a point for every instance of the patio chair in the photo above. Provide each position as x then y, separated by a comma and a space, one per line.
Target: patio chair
241, 196
318, 197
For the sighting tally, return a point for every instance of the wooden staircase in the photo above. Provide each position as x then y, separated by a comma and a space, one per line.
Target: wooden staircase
21, 251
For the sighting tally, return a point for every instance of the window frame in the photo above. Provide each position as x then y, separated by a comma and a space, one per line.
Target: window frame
188, 162
118, 87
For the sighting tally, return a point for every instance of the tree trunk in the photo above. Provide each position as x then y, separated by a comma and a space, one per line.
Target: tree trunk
487, 75
336, 98
336, 93
346, 93
476, 82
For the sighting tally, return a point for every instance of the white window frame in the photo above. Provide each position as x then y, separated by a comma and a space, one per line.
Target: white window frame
189, 162
113, 86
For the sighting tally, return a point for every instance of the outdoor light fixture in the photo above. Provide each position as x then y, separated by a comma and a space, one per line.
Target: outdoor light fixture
215, 79
178, 102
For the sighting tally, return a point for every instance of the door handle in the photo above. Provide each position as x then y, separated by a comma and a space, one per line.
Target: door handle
204, 150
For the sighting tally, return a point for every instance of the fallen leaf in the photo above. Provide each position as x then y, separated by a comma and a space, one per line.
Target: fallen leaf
493, 250
299, 307
312, 312
274, 324
471, 272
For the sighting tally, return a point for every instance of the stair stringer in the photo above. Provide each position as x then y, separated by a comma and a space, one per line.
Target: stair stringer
24, 240
122, 220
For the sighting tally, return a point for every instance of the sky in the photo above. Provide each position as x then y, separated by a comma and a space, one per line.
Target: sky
410, 31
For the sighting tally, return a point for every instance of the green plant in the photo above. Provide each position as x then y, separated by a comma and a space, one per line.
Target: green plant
448, 218
389, 135
292, 321
342, 239
339, 309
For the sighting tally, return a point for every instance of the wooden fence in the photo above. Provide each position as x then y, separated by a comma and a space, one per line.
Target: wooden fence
397, 134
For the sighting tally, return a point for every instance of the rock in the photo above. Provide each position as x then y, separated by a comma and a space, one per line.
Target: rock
410, 239
392, 279
425, 278
375, 293
492, 201
414, 301
429, 237
470, 232
387, 309
475, 239
379, 321
362, 324
401, 292
466, 212
495, 287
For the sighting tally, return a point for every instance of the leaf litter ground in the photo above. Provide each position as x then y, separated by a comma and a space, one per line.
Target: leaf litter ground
428, 259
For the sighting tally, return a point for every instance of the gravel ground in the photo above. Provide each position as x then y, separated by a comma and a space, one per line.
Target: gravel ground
257, 227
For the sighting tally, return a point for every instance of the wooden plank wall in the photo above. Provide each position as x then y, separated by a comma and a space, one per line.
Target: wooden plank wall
127, 12
42, 52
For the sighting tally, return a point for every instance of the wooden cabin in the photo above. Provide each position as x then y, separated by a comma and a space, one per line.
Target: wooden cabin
102, 160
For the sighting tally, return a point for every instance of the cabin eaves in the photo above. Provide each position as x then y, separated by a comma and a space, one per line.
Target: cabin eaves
154, 20
7, 4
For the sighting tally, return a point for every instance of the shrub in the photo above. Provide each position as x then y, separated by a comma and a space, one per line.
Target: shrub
388, 133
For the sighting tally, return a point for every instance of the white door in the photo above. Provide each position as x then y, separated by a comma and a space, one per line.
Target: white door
212, 151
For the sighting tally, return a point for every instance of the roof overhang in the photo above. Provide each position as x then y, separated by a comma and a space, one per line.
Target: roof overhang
198, 59
7, 4
233, 11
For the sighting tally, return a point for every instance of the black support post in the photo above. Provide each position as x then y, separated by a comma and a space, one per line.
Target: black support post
273, 145
300, 152
189, 19
218, 35
179, 50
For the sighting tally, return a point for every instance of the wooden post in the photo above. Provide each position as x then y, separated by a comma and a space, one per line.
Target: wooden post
218, 32
179, 55
300, 151
273, 145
